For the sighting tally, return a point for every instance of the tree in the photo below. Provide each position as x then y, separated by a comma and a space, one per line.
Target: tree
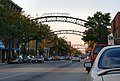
96, 28
75, 51
17, 26
58, 46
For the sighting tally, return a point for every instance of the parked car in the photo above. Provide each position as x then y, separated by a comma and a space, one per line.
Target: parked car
106, 66
28, 59
62, 57
67, 57
48, 58
38, 59
75, 58
16, 60
96, 49
54, 58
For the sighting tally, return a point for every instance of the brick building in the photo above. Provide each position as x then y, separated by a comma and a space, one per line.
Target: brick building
115, 27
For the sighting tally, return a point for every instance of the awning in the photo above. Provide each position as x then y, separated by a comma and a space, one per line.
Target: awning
17, 49
2, 45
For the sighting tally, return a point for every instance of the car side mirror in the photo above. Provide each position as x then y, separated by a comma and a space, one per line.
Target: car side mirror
87, 64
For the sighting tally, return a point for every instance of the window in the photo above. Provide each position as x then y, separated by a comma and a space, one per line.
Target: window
110, 59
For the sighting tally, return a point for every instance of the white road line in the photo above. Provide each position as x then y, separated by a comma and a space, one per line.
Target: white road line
11, 76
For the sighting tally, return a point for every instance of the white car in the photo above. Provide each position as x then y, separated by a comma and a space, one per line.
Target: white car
106, 66
75, 58
39, 59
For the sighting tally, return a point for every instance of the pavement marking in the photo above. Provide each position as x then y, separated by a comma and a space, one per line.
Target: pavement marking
42, 69
11, 76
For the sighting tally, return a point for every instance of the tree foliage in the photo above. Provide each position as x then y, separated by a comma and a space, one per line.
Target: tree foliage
16, 27
96, 28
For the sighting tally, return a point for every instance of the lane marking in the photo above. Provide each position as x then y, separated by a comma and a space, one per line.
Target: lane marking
11, 76
42, 70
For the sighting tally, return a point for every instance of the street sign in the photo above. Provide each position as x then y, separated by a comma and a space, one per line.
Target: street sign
111, 39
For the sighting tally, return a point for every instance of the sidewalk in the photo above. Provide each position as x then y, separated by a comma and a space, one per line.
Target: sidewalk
1, 63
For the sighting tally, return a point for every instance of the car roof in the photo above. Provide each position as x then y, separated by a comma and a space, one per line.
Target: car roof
103, 45
113, 46
108, 47
98, 47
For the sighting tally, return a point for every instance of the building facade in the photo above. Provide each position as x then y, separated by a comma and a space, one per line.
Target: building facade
115, 27
14, 6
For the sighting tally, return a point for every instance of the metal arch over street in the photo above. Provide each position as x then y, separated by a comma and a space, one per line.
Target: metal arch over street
60, 18
68, 32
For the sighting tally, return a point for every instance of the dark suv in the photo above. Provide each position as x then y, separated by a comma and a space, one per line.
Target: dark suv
96, 49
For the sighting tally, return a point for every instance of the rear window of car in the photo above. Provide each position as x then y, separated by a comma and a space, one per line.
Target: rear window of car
97, 49
75, 56
110, 59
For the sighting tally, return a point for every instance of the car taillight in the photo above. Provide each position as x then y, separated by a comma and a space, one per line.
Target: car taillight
87, 58
92, 58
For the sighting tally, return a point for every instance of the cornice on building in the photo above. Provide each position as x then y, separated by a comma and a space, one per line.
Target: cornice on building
118, 13
12, 5
15, 5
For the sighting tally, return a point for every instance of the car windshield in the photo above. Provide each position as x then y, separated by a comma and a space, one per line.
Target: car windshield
110, 58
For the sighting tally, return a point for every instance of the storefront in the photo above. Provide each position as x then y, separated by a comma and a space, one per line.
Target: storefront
7, 53
2, 47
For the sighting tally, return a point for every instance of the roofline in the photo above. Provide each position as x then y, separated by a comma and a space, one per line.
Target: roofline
15, 4
115, 16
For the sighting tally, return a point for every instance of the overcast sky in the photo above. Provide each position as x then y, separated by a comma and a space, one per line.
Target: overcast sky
76, 8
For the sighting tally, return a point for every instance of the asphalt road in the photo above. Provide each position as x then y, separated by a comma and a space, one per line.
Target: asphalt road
48, 71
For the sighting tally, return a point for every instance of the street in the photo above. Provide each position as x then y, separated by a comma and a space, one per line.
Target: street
49, 71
